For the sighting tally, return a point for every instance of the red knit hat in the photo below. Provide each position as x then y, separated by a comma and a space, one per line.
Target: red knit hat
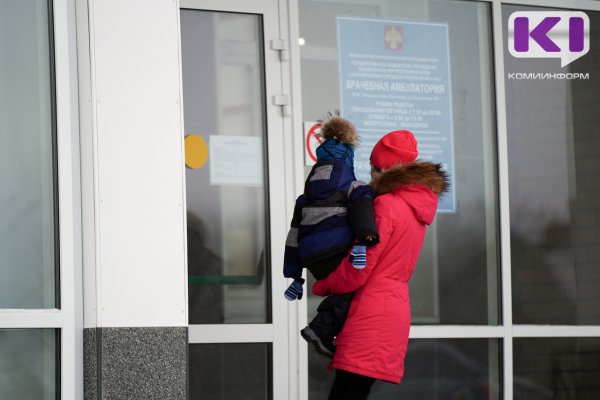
397, 147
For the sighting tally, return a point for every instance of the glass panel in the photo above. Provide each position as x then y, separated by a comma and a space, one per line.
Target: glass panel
28, 364
434, 369
225, 127
557, 368
553, 151
28, 255
320, 378
450, 285
230, 371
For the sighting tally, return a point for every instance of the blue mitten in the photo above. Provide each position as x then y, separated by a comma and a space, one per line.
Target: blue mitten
295, 290
358, 256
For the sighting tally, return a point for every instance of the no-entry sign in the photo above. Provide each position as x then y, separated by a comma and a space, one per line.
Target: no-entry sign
311, 142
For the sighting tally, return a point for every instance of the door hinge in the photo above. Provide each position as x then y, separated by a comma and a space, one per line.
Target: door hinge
281, 46
283, 100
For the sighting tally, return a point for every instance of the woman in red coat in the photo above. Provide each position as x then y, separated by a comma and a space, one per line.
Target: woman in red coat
373, 342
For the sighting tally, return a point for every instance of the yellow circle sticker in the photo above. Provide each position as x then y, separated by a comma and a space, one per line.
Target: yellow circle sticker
196, 151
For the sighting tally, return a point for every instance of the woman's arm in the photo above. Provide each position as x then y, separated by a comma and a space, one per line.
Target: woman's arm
346, 278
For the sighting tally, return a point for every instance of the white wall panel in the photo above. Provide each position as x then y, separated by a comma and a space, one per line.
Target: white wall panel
140, 241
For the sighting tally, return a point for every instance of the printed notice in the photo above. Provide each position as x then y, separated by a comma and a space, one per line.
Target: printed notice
396, 75
235, 160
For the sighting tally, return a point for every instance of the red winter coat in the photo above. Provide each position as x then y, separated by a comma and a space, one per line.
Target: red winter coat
375, 336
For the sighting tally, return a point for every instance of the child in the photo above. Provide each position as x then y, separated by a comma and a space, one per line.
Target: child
334, 212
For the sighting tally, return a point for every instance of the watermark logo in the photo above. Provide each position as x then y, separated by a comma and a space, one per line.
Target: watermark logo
546, 34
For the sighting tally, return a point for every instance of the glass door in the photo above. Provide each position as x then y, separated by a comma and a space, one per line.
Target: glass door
454, 320
235, 204
41, 348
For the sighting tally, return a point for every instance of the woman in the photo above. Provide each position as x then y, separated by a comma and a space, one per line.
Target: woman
373, 342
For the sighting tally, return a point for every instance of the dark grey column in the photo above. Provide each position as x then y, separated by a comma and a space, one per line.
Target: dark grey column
135, 363
90, 365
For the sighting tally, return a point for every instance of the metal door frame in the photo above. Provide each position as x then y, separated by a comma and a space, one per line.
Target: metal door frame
68, 319
284, 363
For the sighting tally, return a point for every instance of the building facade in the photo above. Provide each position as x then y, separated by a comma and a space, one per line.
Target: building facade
151, 153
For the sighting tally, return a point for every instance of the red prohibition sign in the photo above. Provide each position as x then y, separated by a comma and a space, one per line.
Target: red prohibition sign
311, 132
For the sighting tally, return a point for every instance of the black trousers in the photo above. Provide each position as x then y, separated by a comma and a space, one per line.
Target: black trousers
331, 315
332, 312
350, 386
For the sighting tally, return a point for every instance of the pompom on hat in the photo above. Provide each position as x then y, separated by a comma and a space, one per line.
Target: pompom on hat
395, 148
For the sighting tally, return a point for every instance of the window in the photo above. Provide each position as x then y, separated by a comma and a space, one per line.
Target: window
38, 292
557, 368
554, 176
227, 212
551, 225
450, 286
29, 363
28, 216
230, 371
28, 199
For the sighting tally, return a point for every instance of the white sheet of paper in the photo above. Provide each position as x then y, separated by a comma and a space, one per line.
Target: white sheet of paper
235, 160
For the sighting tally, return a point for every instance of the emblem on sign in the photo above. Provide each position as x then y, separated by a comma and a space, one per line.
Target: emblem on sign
393, 37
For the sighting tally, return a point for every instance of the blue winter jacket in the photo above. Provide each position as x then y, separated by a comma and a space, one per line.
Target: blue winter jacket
334, 210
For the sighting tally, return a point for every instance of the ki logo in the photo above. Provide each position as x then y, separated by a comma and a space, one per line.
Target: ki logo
547, 34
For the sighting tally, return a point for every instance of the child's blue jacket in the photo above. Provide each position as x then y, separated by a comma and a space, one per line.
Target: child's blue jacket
334, 210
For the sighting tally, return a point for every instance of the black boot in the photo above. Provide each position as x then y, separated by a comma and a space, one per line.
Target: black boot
327, 324
323, 346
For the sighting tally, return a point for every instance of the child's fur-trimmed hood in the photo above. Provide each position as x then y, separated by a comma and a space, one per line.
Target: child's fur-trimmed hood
420, 172
340, 129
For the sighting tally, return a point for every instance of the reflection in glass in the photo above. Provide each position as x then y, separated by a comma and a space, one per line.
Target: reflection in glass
27, 179
434, 369
464, 245
554, 176
456, 280
320, 378
557, 368
28, 364
223, 88
230, 371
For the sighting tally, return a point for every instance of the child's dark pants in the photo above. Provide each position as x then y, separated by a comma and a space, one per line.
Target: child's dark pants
332, 312
331, 315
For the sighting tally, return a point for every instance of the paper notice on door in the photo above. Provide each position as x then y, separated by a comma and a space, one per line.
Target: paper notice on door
235, 160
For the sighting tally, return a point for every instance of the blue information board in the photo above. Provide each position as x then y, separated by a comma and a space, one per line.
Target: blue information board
396, 75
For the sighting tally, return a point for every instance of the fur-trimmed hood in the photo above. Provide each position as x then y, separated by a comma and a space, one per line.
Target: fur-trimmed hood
340, 129
422, 183
420, 172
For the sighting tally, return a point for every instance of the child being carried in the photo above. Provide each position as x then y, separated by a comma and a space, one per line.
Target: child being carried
334, 214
